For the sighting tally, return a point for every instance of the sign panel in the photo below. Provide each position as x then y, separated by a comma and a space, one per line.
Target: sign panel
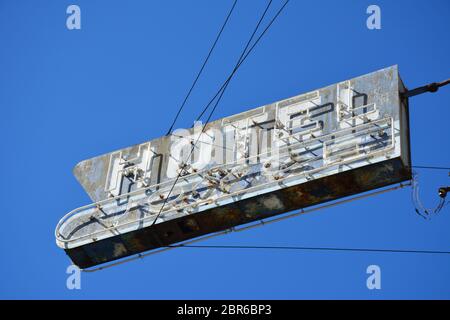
319, 146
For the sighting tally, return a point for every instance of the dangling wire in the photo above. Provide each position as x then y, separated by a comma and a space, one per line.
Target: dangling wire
419, 208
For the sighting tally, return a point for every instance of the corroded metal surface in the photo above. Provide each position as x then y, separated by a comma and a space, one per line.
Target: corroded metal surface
323, 145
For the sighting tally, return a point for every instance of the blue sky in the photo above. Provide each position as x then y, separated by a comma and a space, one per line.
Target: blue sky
70, 95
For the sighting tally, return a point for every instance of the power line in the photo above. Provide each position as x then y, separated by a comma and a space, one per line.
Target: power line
307, 248
243, 59
431, 167
284, 248
238, 63
203, 66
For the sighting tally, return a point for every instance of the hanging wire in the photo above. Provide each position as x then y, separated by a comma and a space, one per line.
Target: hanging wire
420, 209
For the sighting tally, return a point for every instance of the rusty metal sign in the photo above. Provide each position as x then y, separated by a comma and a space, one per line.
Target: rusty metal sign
323, 145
